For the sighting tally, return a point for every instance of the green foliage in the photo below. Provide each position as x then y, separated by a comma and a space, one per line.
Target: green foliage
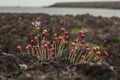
35, 32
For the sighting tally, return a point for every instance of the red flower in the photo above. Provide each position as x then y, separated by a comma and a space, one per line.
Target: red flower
82, 36
80, 33
45, 31
66, 33
32, 42
87, 46
88, 49
66, 37
45, 46
104, 54
73, 45
36, 39
62, 30
98, 53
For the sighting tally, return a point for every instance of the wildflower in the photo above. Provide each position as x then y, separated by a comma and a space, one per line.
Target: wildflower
104, 54
45, 31
79, 52
88, 49
36, 24
80, 33
62, 30
36, 38
73, 45
66, 33
82, 36
32, 43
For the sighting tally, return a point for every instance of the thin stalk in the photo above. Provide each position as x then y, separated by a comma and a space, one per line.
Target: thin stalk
79, 55
33, 52
89, 59
38, 55
61, 43
62, 49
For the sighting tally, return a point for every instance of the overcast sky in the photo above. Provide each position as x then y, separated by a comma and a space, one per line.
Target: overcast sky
37, 3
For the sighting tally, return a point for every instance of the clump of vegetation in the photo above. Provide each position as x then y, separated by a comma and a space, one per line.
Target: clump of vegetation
45, 49
82, 52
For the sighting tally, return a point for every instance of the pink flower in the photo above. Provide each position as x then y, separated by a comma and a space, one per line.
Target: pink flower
36, 24
62, 30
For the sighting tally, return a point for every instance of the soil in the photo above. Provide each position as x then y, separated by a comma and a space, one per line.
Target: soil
15, 30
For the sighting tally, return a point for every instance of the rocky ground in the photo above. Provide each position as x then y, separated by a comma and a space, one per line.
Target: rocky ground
15, 29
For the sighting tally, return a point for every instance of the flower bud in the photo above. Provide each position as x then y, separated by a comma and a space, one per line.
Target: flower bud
43, 34
104, 54
48, 43
82, 36
94, 49
29, 46
80, 33
55, 35
32, 42
45, 31
45, 46
73, 44
97, 48
88, 49
36, 39
62, 30
87, 46
66, 33
66, 37
98, 53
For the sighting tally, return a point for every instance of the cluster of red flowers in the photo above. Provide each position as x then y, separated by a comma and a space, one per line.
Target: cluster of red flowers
45, 49
80, 52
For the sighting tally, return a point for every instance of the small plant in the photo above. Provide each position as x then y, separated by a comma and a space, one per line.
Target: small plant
36, 24
45, 49
36, 29
80, 52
